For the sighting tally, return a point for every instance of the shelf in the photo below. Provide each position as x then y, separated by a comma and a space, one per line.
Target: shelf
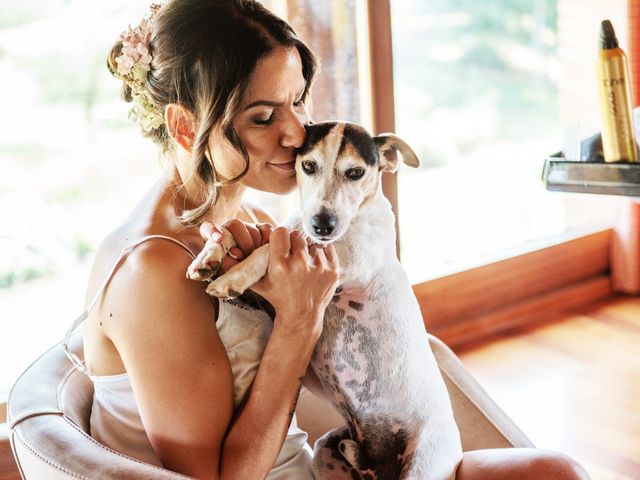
564, 175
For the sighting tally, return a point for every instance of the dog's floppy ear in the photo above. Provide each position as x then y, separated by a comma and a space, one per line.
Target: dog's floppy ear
388, 147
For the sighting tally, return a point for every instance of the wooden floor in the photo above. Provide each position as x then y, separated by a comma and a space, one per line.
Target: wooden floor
573, 385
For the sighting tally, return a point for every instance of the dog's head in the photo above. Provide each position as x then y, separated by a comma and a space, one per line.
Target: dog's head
338, 169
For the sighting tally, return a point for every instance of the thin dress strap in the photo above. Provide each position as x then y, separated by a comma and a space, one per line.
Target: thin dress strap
250, 213
125, 251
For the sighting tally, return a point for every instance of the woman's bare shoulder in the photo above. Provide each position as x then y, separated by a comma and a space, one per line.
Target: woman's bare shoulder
147, 293
156, 269
150, 276
135, 248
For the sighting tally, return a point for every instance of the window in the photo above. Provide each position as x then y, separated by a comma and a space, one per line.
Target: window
66, 148
484, 91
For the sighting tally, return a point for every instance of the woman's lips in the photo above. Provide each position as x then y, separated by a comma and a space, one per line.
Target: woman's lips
285, 166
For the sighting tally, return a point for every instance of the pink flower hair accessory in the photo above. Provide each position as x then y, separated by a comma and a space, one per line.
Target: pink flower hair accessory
134, 64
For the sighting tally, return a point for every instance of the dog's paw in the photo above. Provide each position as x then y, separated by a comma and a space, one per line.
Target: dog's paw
207, 263
329, 461
202, 272
230, 285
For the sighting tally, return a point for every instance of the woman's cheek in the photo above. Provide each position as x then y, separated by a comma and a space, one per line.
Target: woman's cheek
255, 140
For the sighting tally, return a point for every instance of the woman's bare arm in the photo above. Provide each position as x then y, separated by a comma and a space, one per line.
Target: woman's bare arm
163, 326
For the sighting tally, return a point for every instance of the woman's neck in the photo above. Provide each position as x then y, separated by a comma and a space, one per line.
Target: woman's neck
184, 196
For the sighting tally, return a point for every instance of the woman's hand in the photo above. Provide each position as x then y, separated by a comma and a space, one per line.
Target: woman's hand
248, 237
300, 281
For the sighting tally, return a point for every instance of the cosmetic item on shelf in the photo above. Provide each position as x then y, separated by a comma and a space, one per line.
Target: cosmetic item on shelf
618, 137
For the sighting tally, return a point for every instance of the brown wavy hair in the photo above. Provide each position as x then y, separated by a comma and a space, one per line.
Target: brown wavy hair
204, 52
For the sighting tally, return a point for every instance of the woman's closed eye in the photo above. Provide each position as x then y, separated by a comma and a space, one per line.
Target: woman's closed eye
268, 117
264, 119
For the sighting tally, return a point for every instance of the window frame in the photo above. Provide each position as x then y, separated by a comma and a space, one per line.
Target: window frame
478, 303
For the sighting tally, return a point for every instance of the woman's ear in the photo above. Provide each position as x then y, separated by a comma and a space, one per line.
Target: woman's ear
388, 147
180, 124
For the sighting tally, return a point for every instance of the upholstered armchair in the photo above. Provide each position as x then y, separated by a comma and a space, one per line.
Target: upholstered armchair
50, 404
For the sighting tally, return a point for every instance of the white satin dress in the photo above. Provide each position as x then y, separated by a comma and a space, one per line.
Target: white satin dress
115, 419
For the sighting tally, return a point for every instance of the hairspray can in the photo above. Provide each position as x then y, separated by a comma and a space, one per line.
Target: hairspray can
618, 136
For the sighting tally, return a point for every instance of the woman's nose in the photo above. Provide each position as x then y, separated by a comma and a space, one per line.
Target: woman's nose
294, 133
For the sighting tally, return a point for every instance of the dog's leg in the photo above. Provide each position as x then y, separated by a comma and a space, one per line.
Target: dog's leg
242, 275
208, 261
329, 461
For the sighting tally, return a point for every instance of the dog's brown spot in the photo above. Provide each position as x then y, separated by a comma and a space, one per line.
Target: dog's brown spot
356, 305
315, 133
384, 444
360, 139
205, 272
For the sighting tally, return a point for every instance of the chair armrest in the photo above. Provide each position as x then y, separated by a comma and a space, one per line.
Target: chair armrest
482, 423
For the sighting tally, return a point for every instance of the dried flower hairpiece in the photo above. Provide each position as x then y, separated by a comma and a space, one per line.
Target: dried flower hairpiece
134, 63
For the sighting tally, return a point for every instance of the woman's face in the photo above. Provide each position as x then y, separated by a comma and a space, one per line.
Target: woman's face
270, 124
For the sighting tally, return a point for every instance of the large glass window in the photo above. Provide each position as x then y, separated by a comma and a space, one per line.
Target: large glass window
71, 164
484, 91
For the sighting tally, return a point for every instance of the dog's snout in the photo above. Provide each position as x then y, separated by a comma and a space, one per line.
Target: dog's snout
323, 223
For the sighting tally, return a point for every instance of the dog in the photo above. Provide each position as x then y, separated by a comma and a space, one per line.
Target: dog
373, 356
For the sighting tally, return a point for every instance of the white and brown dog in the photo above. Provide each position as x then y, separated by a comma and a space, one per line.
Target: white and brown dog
373, 357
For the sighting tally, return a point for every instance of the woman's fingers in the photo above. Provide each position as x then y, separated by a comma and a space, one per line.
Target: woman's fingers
324, 256
228, 262
208, 231
332, 256
299, 244
320, 259
265, 232
256, 235
280, 244
241, 235
236, 253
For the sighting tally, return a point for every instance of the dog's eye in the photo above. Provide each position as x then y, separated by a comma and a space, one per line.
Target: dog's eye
309, 167
354, 173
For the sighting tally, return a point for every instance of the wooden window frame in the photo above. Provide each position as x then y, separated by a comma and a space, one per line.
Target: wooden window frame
482, 302
529, 289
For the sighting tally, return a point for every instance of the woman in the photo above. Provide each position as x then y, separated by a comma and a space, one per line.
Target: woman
234, 91
221, 86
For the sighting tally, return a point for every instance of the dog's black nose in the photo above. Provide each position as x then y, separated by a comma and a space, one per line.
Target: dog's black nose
323, 223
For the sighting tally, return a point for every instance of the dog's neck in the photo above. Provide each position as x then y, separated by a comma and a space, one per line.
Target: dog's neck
369, 244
